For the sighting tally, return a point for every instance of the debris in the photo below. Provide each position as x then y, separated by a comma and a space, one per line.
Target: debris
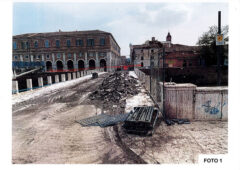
103, 120
94, 75
116, 88
141, 121
170, 122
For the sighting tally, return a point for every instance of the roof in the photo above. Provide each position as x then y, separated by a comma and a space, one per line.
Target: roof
180, 47
149, 44
66, 33
61, 33
173, 48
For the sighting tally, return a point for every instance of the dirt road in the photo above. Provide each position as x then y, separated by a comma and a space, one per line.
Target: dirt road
45, 131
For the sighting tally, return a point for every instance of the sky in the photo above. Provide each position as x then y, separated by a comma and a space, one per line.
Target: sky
128, 22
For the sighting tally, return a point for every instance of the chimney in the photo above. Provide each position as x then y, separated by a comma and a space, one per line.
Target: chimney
153, 38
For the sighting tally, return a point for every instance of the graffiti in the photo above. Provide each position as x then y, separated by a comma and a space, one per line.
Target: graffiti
210, 109
224, 104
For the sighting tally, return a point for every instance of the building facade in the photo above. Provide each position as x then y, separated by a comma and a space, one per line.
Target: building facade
66, 51
176, 55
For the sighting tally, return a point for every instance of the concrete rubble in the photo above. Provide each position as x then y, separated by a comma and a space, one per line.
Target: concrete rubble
116, 88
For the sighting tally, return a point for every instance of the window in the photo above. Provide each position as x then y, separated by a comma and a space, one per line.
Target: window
26, 56
34, 56
102, 54
14, 45
90, 42
39, 56
102, 41
152, 51
57, 43
69, 55
47, 43
48, 56
58, 55
27, 45
79, 42
22, 45
142, 58
91, 54
68, 43
80, 54
35, 44
16, 57
190, 63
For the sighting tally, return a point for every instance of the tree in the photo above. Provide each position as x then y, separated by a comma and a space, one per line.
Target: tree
208, 48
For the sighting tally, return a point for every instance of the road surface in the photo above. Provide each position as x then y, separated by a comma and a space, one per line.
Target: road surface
44, 131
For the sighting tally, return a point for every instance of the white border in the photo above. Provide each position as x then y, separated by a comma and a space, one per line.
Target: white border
234, 92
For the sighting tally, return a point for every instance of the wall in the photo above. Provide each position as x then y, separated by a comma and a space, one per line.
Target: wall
179, 101
211, 103
187, 101
200, 76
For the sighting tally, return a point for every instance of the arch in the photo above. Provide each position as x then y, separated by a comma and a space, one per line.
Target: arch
92, 64
70, 65
103, 64
81, 65
59, 65
48, 65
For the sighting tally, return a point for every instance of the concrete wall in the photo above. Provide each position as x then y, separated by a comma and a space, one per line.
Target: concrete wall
187, 101
211, 103
179, 101
15, 87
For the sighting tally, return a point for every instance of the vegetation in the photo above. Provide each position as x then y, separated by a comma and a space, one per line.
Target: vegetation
208, 49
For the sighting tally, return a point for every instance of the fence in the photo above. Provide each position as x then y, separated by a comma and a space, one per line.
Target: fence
151, 79
47, 80
186, 100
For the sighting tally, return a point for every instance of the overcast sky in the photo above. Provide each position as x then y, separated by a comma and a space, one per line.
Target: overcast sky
128, 22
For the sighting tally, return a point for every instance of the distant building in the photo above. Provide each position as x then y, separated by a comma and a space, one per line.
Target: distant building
123, 60
58, 51
176, 55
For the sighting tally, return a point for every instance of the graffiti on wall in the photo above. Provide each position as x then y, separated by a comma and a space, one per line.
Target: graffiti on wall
211, 109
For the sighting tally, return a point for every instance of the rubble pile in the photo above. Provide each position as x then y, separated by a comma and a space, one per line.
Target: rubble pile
115, 88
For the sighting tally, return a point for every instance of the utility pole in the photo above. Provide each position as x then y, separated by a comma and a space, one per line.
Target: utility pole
150, 70
218, 52
163, 75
